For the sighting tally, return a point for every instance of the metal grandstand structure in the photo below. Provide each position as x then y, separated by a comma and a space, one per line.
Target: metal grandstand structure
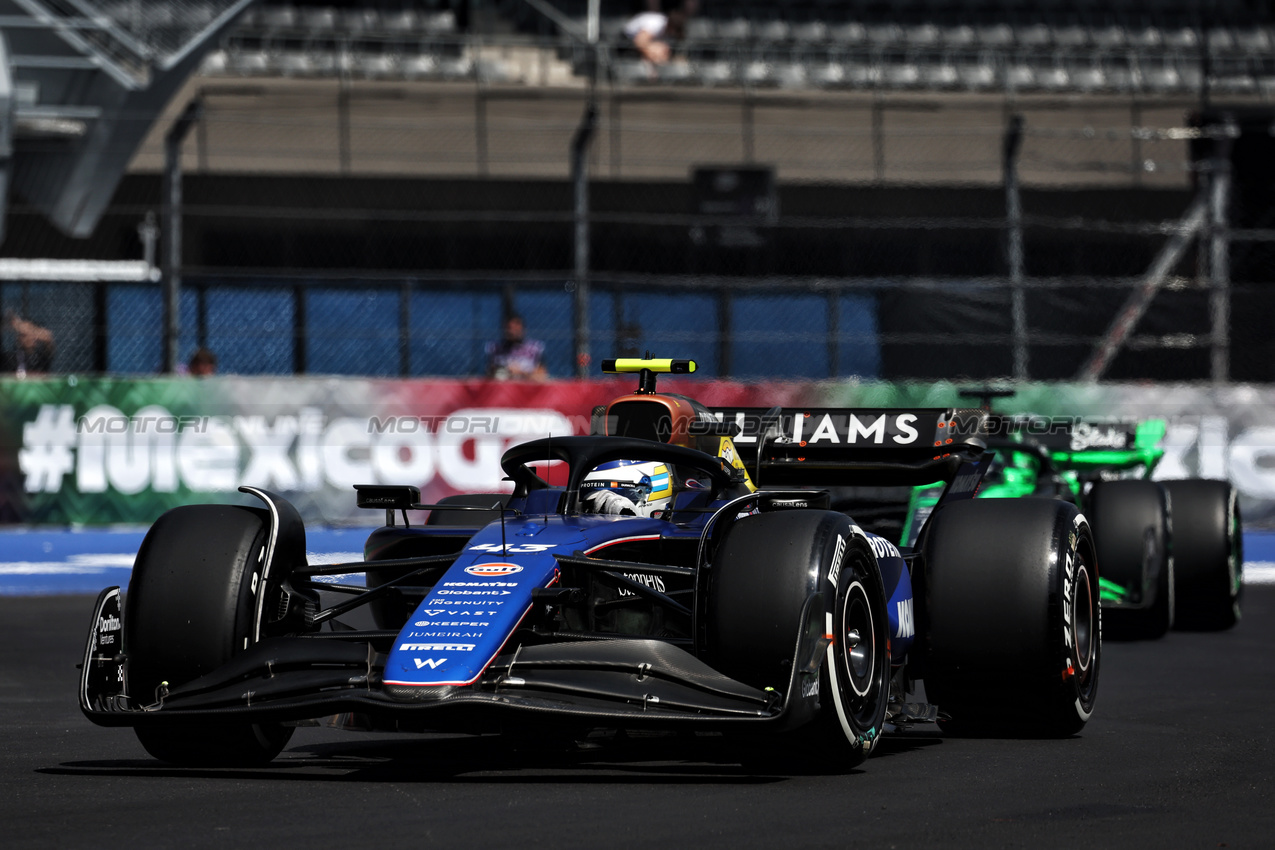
1124, 47
81, 83
416, 158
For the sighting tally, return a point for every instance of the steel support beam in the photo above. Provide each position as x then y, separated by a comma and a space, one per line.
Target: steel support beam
1136, 305
1014, 251
580, 181
170, 272
1220, 258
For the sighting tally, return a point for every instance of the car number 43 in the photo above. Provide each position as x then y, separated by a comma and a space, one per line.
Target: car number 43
516, 549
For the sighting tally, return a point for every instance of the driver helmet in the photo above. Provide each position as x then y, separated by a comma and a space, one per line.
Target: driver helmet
647, 484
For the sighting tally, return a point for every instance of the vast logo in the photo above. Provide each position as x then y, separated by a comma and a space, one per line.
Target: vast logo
492, 570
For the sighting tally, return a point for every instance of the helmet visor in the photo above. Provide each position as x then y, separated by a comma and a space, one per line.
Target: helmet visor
636, 492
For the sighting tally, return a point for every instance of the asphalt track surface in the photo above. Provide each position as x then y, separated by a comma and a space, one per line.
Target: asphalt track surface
1178, 754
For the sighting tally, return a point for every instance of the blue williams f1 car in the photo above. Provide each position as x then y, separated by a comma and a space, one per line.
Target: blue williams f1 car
652, 584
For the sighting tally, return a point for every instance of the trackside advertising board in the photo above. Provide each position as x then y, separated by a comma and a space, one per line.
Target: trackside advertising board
100, 451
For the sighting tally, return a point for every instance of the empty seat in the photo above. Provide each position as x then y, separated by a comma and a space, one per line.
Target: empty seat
419, 66
737, 29
361, 20
1034, 36
1253, 40
376, 65
809, 32
771, 31
848, 33
978, 75
701, 29
715, 72
401, 22
790, 75
292, 63
439, 22
1108, 38
318, 19
277, 17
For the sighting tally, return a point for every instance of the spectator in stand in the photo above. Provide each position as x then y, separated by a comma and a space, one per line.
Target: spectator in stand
33, 347
652, 31
514, 357
202, 363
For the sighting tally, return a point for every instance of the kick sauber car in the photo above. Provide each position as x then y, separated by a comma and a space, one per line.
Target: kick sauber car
1171, 551
758, 614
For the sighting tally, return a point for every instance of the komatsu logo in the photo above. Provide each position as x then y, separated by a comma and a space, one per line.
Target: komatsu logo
480, 584
436, 647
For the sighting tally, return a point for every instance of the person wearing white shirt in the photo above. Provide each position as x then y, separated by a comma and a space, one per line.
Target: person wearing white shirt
651, 32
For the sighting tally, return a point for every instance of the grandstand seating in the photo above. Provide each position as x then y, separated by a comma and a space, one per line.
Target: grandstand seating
1116, 46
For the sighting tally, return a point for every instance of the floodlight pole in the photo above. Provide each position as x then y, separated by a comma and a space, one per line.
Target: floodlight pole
170, 271
1014, 227
580, 181
1219, 253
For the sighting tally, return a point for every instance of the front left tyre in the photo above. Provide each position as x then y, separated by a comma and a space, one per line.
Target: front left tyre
763, 573
191, 607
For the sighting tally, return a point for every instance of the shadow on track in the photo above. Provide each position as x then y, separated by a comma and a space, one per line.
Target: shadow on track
614, 758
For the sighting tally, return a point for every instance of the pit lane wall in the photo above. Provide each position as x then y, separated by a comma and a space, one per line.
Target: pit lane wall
101, 451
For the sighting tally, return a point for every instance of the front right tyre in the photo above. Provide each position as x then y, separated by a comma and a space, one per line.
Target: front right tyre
1136, 544
1011, 626
1208, 554
191, 606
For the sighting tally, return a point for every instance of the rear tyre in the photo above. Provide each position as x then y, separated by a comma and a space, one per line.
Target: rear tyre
765, 569
1132, 537
1208, 554
1012, 627
190, 608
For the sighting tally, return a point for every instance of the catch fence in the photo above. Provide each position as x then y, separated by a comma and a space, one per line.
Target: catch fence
383, 228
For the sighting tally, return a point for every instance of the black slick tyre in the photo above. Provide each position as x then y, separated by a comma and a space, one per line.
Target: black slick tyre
189, 609
1010, 622
1208, 554
765, 569
1135, 547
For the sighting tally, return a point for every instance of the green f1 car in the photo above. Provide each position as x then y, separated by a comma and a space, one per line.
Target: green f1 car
1169, 552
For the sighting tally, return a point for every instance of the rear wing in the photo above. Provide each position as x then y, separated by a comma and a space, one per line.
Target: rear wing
1082, 444
827, 446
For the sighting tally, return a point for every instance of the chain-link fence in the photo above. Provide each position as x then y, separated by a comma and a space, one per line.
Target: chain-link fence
745, 329
355, 226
